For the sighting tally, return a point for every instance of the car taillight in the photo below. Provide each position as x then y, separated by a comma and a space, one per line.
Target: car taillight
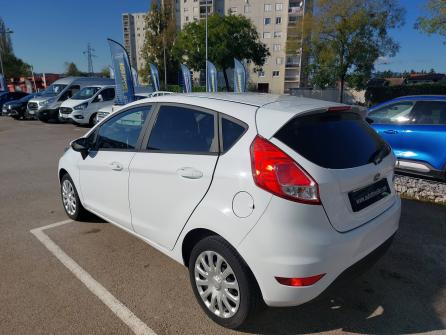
276, 172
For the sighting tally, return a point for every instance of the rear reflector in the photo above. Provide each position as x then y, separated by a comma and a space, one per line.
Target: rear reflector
306, 281
339, 108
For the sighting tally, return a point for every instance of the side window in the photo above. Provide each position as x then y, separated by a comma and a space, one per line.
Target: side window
108, 94
231, 132
181, 129
398, 112
430, 112
122, 131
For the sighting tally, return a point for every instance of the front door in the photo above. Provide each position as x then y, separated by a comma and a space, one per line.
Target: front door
104, 173
173, 172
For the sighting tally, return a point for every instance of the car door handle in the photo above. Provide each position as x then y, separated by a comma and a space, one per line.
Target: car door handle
116, 166
190, 173
390, 131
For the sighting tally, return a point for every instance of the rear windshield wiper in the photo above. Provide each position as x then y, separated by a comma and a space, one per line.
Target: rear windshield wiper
382, 151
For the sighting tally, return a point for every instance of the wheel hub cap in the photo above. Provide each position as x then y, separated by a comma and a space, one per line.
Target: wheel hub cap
217, 284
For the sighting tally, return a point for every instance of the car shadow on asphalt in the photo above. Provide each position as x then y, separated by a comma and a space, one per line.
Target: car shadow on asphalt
403, 293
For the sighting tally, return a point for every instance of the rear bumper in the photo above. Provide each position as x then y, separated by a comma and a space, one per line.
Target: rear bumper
305, 245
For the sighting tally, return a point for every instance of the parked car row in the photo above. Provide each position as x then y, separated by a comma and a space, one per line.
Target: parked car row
414, 126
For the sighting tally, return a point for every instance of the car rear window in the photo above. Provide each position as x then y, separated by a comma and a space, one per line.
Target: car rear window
335, 140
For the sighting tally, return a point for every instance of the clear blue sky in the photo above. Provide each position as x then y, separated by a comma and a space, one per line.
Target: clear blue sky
48, 33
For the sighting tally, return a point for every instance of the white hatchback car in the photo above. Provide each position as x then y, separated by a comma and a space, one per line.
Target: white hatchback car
262, 197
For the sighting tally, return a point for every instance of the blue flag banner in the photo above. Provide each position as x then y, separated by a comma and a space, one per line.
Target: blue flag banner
125, 88
3, 86
135, 77
186, 79
112, 72
155, 77
240, 78
212, 78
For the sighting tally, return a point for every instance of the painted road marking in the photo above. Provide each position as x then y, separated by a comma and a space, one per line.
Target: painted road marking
117, 307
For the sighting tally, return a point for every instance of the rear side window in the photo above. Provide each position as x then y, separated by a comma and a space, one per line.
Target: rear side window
182, 129
430, 113
231, 132
398, 112
333, 140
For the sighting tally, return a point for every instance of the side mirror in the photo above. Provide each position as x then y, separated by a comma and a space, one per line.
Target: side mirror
81, 145
369, 120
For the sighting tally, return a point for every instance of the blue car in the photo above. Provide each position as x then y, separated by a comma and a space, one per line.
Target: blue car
415, 128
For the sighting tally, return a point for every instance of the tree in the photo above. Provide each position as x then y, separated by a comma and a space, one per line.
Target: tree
72, 70
13, 66
160, 35
346, 37
105, 72
435, 21
229, 37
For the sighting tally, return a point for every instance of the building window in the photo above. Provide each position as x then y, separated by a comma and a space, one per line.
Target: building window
277, 34
261, 73
268, 7
185, 9
276, 73
233, 10
266, 34
278, 20
277, 47
267, 20
247, 9
187, 18
279, 7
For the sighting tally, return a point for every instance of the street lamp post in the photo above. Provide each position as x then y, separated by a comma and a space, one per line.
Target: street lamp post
7, 31
207, 2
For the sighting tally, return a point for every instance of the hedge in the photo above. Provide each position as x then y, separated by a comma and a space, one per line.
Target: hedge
379, 94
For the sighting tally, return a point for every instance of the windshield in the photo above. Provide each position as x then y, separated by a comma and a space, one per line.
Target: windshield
53, 90
85, 93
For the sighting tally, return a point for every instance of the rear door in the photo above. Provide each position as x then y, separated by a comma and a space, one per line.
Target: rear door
424, 138
350, 162
173, 172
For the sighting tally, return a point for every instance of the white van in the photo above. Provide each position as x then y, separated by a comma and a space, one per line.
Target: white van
46, 106
83, 107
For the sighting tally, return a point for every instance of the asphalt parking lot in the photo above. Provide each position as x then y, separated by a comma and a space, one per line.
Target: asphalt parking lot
405, 292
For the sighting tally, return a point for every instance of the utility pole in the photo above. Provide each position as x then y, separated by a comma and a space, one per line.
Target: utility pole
90, 55
164, 44
4, 32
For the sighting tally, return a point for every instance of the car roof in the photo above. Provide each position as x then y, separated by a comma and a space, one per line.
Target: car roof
268, 112
420, 97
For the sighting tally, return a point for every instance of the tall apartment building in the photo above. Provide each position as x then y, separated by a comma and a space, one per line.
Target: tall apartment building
280, 25
133, 25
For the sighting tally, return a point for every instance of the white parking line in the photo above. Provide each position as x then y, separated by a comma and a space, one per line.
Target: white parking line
117, 307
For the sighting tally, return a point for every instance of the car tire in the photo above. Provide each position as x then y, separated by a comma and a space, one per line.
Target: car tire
238, 282
92, 120
70, 199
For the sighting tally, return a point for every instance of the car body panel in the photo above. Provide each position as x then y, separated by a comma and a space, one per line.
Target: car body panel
278, 237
